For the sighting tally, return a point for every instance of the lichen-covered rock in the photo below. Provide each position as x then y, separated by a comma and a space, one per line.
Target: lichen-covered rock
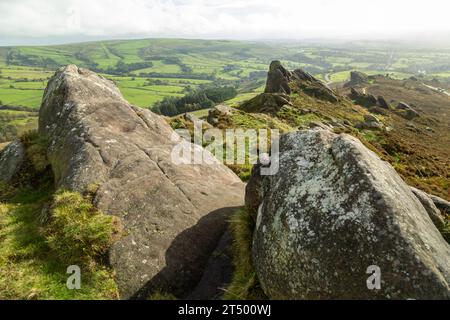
11, 161
173, 214
334, 210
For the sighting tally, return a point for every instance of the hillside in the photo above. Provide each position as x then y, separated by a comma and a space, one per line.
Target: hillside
148, 71
417, 148
98, 186
175, 64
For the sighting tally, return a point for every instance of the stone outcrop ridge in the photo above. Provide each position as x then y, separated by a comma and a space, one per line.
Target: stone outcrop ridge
173, 214
281, 83
334, 210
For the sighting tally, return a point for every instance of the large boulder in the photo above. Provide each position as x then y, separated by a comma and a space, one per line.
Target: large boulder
173, 214
335, 213
11, 161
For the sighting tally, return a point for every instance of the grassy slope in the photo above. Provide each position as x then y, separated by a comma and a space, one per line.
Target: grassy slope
43, 232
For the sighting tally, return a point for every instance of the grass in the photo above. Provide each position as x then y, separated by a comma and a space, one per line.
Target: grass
43, 232
245, 284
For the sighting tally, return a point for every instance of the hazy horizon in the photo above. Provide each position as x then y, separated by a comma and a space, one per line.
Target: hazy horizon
48, 22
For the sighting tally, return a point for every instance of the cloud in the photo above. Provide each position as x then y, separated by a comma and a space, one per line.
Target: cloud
219, 18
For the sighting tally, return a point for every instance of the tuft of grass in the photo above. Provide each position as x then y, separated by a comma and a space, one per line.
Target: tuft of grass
33, 267
245, 284
77, 231
43, 233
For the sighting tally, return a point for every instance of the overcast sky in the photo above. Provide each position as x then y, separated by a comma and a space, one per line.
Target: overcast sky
24, 21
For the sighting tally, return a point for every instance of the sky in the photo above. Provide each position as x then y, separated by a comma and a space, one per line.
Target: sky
34, 22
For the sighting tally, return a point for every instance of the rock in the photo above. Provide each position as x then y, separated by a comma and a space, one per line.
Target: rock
282, 81
369, 125
377, 110
406, 111
363, 99
173, 214
381, 102
318, 124
441, 204
370, 118
278, 79
11, 161
266, 103
334, 210
356, 78
304, 81
411, 114
434, 213
403, 106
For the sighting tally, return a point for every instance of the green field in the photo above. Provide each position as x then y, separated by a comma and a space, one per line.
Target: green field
148, 70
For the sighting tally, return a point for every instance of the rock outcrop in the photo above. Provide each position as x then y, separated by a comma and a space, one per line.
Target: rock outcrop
307, 83
11, 161
281, 83
278, 79
173, 214
334, 211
